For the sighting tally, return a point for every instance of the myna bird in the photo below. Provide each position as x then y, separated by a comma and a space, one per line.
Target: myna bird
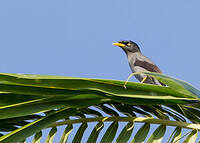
138, 62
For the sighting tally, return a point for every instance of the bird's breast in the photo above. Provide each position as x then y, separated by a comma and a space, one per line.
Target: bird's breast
131, 60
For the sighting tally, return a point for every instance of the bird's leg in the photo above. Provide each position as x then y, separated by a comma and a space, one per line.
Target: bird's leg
144, 79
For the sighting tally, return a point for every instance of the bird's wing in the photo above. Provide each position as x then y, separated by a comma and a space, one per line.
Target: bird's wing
147, 65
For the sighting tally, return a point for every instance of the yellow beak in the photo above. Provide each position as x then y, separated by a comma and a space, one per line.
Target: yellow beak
119, 44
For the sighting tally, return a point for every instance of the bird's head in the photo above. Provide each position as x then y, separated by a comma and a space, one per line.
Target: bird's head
128, 46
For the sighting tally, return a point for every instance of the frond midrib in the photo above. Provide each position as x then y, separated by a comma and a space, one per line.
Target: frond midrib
149, 120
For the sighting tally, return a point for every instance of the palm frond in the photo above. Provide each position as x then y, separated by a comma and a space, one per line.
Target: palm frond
31, 103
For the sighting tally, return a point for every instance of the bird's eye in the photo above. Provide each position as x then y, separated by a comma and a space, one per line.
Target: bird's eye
129, 44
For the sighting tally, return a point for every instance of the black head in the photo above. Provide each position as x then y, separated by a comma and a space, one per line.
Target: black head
128, 46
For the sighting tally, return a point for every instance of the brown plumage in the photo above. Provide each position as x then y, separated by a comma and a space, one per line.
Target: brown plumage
149, 66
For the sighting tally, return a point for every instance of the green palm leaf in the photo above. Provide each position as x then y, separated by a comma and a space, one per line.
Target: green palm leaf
57, 99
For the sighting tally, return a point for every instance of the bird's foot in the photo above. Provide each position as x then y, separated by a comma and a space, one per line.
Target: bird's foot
143, 79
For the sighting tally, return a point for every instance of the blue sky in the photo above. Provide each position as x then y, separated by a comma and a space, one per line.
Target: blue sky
74, 38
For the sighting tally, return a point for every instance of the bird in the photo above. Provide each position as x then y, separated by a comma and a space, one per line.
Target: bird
138, 62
